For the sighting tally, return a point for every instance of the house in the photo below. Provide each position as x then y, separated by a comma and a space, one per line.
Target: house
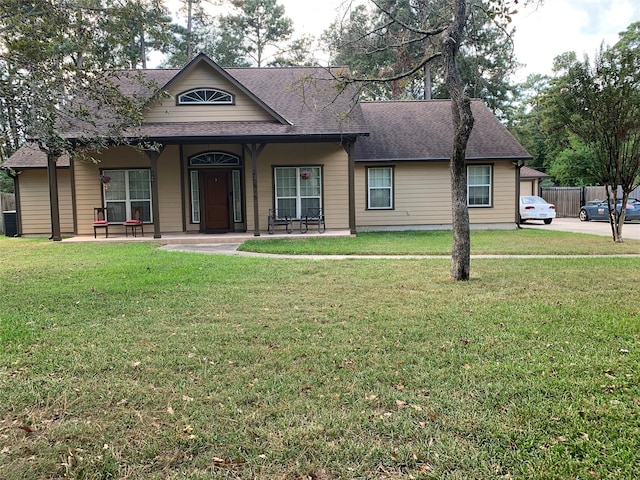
236, 143
530, 180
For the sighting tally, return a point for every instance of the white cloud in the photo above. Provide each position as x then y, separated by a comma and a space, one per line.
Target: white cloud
563, 26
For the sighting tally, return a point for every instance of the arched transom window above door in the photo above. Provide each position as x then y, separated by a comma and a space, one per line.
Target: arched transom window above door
205, 96
214, 159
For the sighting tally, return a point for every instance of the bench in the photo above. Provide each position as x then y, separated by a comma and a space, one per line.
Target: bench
278, 218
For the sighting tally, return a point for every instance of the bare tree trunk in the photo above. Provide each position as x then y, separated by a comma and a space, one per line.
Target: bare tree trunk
189, 30
427, 82
463, 124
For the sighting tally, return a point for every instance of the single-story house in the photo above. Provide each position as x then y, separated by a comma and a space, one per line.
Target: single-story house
530, 180
236, 143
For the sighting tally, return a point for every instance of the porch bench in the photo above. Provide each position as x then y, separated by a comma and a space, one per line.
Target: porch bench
279, 219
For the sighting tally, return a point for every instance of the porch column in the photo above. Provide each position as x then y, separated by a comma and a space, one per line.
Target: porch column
52, 158
350, 149
254, 150
155, 195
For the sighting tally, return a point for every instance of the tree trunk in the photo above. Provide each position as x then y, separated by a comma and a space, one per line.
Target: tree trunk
463, 124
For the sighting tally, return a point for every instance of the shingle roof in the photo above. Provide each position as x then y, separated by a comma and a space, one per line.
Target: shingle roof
308, 105
30, 156
307, 98
423, 130
527, 172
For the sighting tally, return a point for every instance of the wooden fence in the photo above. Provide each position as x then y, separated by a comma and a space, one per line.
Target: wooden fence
7, 204
568, 200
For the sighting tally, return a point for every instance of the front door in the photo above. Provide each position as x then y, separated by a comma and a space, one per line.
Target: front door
215, 188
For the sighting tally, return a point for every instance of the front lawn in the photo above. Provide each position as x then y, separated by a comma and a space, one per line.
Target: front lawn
483, 242
124, 361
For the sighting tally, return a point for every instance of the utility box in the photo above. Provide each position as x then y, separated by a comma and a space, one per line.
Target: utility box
10, 223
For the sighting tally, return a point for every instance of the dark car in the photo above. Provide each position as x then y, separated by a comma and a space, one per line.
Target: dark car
599, 210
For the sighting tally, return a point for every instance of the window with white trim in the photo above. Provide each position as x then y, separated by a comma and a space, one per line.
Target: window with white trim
297, 189
205, 96
380, 188
127, 189
479, 186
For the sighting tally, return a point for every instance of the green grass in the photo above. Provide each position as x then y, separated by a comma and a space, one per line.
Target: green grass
483, 242
125, 361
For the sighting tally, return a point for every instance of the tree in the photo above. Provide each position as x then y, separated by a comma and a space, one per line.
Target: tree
259, 26
600, 105
373, 46
57, 84
430, 30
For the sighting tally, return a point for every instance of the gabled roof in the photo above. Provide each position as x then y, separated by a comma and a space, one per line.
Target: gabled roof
528, 172
303, 101
423, 130
202, 58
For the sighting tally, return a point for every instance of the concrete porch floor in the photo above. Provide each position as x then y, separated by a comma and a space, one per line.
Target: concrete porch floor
203, 238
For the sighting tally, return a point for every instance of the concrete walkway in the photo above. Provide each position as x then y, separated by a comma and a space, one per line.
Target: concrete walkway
630, 230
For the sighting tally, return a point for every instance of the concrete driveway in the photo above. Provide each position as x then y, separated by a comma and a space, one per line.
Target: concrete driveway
631, 230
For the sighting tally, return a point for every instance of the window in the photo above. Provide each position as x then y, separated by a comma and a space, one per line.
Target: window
195, 197
205, 96
213, 158
127, 189
479, 185
297, 189
380, 188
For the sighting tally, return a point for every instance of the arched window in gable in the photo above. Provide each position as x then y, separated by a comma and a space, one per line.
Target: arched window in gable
205, 96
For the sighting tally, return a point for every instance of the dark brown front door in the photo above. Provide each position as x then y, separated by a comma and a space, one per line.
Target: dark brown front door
215, 186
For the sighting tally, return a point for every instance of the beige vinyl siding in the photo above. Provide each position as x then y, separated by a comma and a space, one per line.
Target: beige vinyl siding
170, 203
89, 191
244, 109
335, 195
422, 196
35, 208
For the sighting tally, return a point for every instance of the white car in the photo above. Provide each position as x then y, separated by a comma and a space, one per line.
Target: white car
536, 208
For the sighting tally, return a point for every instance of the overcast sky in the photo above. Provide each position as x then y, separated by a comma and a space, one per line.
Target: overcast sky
556, 27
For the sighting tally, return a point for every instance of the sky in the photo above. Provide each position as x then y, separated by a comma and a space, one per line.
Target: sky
542, 33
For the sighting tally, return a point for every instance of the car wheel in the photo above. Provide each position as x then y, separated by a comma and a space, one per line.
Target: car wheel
547, 221
583, 215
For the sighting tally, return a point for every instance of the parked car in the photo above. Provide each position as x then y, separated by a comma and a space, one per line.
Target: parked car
536, 208
599, 210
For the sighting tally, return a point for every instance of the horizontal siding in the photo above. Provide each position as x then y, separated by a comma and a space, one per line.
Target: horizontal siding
245, 109
422, 195
332, 157
170, 204
35, 209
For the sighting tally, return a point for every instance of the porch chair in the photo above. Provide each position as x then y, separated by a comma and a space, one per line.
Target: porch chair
100, 221
136, 222
279, 217
313, 216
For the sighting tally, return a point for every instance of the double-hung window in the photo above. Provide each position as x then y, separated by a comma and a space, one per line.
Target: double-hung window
479, 178
380, 188
128, 189
297, 189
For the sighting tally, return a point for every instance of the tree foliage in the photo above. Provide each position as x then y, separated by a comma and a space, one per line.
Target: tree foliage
599, 104
256, 32
384, 40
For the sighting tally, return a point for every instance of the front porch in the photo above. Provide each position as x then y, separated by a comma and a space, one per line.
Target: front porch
204, 238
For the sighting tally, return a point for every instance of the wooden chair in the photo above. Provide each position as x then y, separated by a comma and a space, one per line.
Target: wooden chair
313, 216
100, 221
136, 222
